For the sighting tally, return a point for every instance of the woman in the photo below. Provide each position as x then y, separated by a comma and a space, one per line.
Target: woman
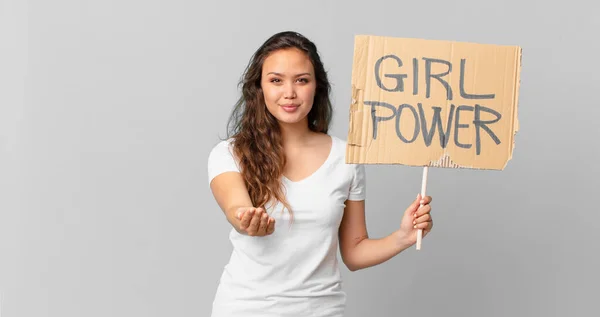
283, 185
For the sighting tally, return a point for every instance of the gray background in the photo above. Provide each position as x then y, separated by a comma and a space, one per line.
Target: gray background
108, 110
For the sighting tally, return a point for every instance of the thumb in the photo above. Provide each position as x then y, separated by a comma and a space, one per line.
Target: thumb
240, 212
414, 205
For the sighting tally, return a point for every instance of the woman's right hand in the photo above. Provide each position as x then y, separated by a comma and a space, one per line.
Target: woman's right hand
255, 221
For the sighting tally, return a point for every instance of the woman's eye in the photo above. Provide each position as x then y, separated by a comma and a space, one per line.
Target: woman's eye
275, 80
303, 80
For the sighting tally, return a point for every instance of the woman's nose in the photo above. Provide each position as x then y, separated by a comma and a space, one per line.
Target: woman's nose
289, 91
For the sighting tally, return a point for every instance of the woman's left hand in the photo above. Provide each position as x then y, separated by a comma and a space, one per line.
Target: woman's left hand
415, 217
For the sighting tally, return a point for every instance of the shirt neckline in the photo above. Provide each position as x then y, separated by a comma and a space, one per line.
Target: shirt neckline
318, 170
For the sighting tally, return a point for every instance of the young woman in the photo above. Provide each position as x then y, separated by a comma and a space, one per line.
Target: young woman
283, 185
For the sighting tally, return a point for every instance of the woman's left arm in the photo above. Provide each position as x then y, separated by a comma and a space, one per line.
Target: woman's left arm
359, 251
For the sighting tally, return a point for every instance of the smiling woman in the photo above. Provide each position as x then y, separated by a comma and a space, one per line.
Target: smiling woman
285, 76
289, 85
279, 157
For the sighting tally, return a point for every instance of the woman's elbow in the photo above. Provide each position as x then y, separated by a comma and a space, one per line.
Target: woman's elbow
353, 268
351, 264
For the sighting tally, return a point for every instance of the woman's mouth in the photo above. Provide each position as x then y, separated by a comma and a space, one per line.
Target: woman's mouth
289, 107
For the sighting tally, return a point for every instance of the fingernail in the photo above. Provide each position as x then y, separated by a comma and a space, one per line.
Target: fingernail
414, 222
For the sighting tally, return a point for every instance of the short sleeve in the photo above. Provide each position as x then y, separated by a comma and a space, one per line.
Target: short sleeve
358, 186
221, 160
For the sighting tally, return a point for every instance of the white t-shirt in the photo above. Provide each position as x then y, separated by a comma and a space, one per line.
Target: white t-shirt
294, 271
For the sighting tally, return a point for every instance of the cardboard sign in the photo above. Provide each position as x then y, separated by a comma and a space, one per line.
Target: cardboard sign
433, 103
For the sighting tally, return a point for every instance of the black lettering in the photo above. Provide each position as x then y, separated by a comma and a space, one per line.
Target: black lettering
462, 85
399, 77
416, 131
458, 125
377, 119
436, 121
428, 76
421, 125
415, 76
483, 125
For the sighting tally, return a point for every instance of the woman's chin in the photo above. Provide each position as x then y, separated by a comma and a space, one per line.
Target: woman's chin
292, 119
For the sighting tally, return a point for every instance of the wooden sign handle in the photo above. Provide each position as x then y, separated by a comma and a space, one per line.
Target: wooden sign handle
423, 190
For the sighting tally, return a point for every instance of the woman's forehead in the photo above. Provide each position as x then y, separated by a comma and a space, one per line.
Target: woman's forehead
288, 62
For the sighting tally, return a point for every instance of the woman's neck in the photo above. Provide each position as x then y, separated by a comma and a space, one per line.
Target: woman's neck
295, 134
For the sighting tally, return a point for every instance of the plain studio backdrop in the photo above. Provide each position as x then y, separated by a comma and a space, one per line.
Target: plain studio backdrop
108, 110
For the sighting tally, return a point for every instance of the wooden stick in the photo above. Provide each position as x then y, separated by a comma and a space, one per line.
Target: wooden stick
423, 190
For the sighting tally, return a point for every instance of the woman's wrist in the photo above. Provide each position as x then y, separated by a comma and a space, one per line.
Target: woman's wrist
403, 240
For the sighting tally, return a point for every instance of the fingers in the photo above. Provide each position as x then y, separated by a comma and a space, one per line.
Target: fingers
427, 230
422, 218
246, 218
262, 227
425, 209
271, 226
419, 201
425, 200
256, 222
424, 225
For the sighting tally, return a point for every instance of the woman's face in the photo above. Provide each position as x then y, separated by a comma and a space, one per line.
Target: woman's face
288, 84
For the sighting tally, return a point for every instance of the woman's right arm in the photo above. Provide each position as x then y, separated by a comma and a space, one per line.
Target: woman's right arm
231, 194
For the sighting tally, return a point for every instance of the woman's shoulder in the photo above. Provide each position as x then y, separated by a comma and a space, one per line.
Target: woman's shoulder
353, 173
339, 144
221, 159
222, 147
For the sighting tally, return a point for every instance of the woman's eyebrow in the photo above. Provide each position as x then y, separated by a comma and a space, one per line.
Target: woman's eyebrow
298, 75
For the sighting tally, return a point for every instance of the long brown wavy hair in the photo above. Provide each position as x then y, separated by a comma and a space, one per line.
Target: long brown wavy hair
257, 140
